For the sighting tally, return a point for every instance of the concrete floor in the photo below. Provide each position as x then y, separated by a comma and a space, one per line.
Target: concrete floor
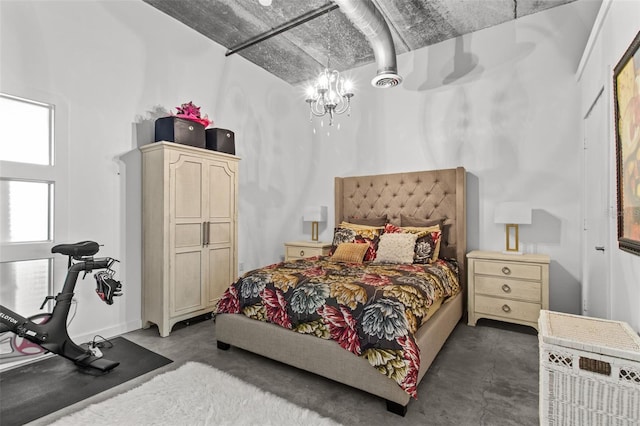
484, 375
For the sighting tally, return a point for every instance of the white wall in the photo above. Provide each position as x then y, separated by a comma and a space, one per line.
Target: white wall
110, 65
502, 102
511, 121
618, 24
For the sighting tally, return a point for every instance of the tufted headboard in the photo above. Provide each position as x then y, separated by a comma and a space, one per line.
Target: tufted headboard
434, 194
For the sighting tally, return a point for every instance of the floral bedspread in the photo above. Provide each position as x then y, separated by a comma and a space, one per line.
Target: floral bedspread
372, 310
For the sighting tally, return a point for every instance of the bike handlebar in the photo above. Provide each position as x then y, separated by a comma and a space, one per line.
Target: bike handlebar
89, 264
106, 286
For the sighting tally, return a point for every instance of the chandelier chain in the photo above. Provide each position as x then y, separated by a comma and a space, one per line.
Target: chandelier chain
328, 40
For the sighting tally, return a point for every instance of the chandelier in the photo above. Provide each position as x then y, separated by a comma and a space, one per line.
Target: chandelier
330, 93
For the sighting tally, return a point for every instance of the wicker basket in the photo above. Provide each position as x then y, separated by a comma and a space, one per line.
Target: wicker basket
589, 371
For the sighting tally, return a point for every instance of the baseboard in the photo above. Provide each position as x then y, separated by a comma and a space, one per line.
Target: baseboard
109, 332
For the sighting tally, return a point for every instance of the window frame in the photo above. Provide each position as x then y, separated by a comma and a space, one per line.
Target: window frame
57, 174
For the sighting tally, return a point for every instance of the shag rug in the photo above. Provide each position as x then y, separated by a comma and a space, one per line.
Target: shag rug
195, 394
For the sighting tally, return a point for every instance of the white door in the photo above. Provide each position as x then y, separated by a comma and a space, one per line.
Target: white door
596, 298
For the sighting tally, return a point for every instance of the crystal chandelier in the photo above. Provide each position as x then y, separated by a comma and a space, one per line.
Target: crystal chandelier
330, 93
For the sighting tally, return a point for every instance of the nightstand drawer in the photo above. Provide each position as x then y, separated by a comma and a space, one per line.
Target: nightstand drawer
301, 252
510, 309
505, 287
301, 249
507, 269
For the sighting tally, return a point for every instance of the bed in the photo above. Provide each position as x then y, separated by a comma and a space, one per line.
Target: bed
437, 195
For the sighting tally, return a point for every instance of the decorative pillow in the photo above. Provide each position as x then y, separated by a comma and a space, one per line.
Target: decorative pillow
350, 252
370, 221
427, 245
445, 251
396, 248
416, 221
358, 226
351, 233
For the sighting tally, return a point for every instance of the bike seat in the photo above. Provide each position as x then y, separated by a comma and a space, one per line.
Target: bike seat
81, 249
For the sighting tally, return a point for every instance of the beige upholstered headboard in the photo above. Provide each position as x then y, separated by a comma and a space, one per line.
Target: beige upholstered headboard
434, 194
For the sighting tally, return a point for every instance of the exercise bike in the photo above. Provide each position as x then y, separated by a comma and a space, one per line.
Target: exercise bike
49, 331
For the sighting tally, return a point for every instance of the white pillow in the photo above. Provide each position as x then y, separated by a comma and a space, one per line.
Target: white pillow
396, 248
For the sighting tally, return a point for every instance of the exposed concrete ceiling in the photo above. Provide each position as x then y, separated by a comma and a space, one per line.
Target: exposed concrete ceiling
298, 54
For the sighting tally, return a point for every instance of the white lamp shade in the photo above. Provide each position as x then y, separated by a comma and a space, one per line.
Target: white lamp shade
315, 214
513, 212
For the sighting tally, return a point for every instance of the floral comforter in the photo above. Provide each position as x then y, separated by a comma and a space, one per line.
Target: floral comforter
372, 310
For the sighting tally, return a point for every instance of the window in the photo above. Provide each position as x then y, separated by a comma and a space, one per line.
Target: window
32, 180
27, 299
26, 131
26, 211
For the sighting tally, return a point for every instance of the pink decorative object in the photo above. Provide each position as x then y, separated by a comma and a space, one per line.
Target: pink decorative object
189, 111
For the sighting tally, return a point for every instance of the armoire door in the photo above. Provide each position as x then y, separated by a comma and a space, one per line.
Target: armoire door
187, 181
221, 218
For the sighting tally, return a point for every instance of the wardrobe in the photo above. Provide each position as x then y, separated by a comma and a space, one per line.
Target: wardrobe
189, 231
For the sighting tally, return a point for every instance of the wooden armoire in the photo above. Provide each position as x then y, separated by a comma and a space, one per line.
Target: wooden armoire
189, 231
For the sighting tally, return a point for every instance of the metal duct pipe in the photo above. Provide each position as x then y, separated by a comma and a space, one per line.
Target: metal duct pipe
368, 19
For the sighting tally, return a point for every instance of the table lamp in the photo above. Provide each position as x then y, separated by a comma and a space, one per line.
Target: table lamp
315, 215
512, 214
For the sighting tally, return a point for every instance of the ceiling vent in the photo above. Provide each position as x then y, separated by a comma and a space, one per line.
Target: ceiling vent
385, 80
368, 19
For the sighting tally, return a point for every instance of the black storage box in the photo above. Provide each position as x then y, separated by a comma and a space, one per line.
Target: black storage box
221, 140
180, 130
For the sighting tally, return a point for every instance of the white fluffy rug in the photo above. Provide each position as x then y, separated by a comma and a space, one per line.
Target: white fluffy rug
195, 394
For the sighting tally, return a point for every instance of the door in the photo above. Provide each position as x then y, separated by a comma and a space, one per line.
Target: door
596, 298
187, 205
221, 227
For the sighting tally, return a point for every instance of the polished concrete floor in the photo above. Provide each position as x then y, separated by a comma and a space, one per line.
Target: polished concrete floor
484, 375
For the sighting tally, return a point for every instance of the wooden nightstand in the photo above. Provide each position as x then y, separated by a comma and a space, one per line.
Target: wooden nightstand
301, 249
507, 287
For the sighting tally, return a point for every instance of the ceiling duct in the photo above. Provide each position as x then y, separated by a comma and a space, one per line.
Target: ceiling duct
368, 19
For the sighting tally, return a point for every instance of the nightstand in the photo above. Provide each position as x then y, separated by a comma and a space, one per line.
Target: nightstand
507, 287
301, 249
